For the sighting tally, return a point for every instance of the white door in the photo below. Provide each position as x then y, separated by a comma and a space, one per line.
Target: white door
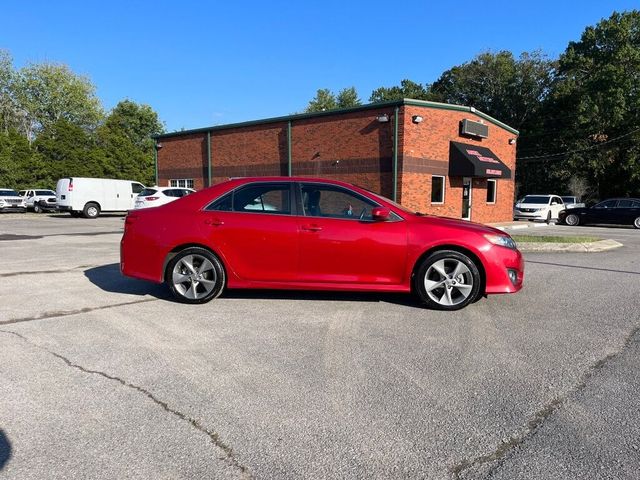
466, 198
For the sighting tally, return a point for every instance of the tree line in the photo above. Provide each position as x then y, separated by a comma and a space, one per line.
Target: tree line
578, 114
52, 125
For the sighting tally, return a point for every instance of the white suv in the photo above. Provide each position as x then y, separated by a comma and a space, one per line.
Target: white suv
39, 200
10, 201
538, 207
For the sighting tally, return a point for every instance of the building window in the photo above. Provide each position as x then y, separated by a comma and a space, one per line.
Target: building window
437, 189
491, 191
181, 183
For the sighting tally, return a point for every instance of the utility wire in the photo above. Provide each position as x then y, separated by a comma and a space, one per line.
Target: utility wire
582, 149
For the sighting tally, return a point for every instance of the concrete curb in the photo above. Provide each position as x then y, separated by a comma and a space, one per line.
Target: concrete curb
591, 247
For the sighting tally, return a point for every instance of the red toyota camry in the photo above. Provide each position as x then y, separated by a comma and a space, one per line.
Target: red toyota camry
314, 234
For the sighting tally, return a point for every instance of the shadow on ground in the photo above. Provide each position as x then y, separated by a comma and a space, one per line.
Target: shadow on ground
109, 279
5, 449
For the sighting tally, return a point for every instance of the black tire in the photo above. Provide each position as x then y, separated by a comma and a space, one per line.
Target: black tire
75, 214
195, 275
448, 292
636, 222
572, 220
36, 208
91, 210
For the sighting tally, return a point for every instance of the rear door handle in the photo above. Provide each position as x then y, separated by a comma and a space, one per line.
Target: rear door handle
214, 222
312, 228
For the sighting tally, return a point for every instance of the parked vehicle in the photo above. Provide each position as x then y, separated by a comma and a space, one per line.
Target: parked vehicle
538, 207
10, 201
572, 202
614, 211
320, 235
156, 196
91, 196
39, 200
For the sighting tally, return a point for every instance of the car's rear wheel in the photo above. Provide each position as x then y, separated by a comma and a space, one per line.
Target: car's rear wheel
91, 210
548, 217
636, 222
572, 220
195, 275
447, 280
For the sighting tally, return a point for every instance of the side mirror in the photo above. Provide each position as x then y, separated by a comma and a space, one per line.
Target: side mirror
380, 214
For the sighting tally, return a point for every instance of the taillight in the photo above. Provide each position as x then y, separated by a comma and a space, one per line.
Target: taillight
129, 220
150, 199
71, 185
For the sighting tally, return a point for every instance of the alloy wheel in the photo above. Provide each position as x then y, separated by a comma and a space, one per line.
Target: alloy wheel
194, 277
448, 282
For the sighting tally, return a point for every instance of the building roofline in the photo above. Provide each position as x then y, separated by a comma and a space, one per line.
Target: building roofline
370, 106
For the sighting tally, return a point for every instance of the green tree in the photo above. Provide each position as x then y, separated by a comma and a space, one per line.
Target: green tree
509, 89
347, 98
49, 92
594, 112
11, 116
323, 101
137, 122
407, 89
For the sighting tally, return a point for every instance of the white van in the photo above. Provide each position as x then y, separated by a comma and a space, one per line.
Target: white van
90, 196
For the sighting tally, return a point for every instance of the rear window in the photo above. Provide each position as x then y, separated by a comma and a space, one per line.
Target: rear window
147, 191
535, 199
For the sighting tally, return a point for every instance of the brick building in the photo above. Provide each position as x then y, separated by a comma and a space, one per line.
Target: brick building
435, 158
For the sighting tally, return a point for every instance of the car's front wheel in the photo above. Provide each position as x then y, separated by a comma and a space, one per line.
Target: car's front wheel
447, 280
572, 220
195, 275
37, 208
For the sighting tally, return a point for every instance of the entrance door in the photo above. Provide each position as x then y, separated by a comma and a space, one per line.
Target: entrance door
466, 198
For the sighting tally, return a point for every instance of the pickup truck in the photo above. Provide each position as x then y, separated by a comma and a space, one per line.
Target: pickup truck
39, 200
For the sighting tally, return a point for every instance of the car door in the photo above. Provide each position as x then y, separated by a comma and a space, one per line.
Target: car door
604, 212
341, 243
627, 211
556, 206
255, 231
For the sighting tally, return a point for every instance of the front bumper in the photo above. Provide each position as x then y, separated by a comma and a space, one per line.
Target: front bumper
518, 215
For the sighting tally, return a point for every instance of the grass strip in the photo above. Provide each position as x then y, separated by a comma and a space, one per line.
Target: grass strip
553, 239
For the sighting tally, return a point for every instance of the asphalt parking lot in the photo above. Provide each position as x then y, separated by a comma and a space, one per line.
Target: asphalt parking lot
106, 377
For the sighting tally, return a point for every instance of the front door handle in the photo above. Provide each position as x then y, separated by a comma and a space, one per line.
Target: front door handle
312, 228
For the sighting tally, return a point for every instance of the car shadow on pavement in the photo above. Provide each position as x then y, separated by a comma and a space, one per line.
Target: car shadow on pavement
109, 279
5, 449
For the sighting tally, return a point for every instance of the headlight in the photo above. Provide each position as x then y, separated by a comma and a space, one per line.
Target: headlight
502, 240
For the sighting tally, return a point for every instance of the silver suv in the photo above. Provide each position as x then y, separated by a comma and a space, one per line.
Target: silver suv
10, 201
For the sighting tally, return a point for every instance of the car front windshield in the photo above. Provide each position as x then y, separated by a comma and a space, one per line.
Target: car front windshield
8, 193
535, 199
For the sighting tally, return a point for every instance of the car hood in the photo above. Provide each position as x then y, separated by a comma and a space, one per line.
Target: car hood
461, 224
532, 205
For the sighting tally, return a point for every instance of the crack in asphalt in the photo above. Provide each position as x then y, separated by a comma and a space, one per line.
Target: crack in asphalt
66, 313
229, 455
538, 419
40, 272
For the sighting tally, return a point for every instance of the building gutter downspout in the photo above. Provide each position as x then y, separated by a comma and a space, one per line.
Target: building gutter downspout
155, 158
289, 163
395, 154
209, 156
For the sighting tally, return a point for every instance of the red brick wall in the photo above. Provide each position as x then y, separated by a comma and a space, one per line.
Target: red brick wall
425, 152
352, 147
183, 157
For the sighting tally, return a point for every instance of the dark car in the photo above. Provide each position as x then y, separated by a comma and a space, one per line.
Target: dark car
314, 234
614, 211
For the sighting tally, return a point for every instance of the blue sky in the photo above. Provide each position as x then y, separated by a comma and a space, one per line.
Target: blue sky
209, 63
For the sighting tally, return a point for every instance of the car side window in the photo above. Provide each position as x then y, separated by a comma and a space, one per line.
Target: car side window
606, 204
256, 198
335, 202
626, 203
136, 187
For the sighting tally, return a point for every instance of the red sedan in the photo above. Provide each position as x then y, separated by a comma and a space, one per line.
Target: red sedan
314, 234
